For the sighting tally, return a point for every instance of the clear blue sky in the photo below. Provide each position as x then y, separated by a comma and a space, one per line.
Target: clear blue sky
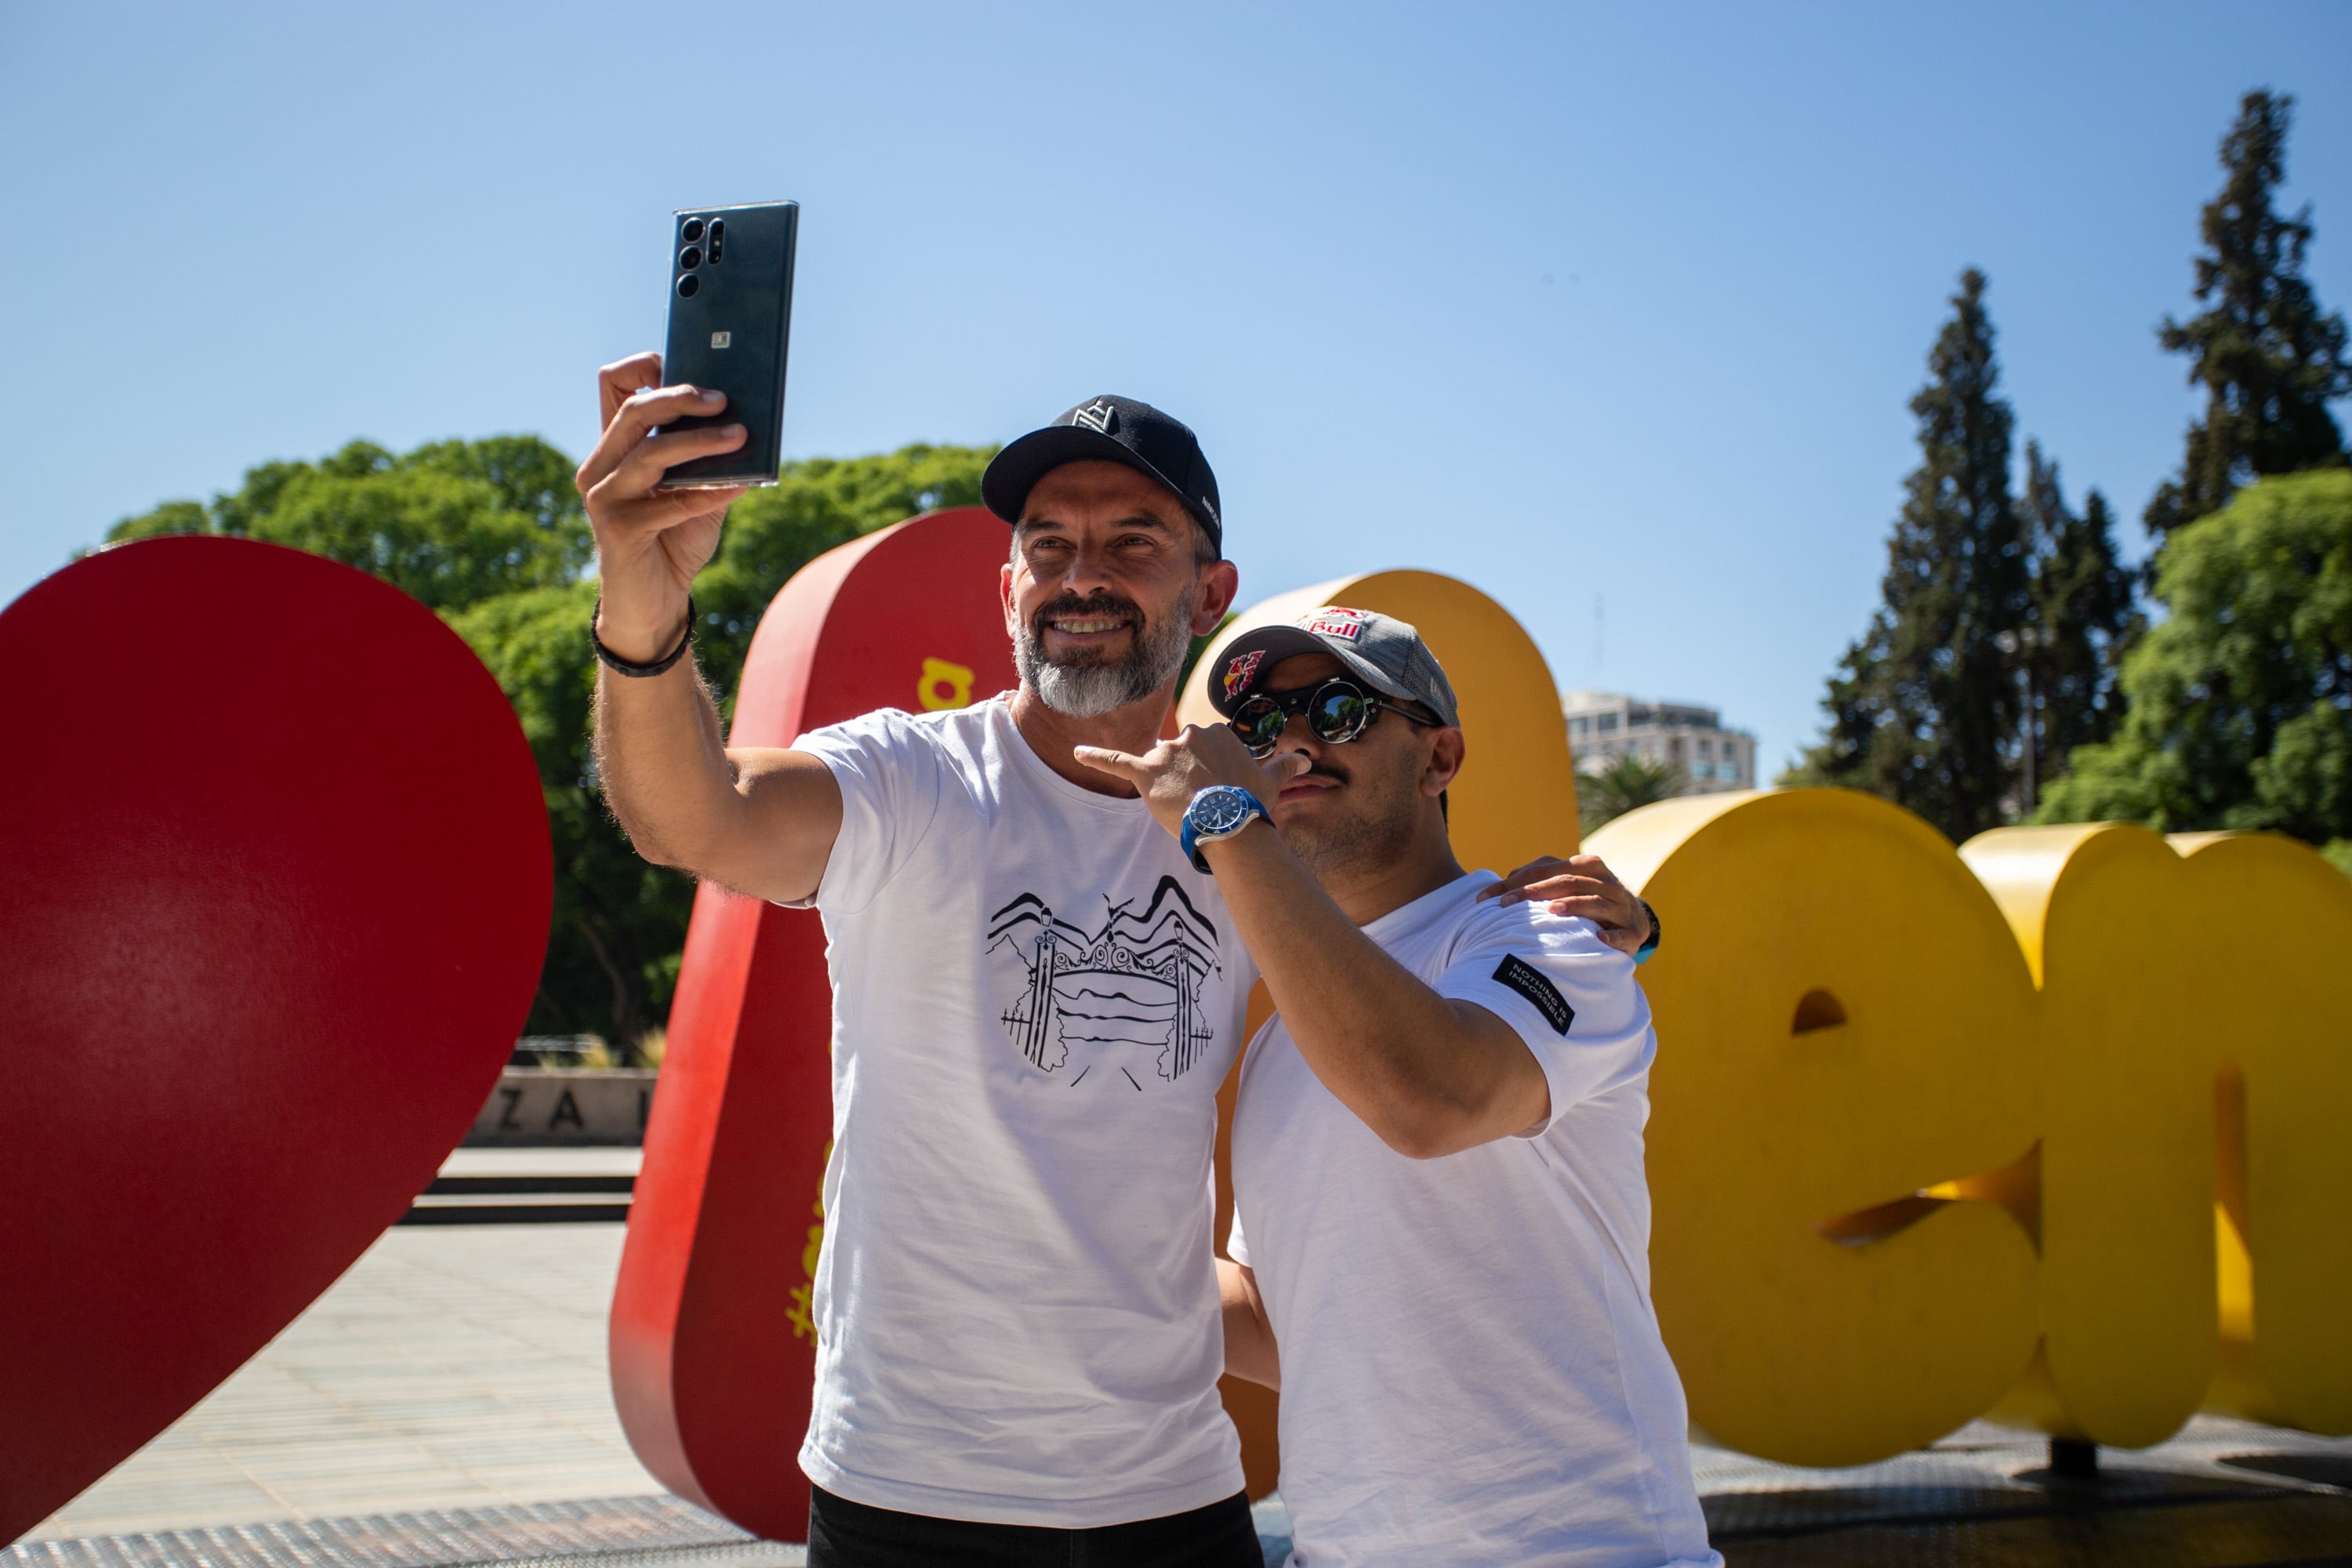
1574, 302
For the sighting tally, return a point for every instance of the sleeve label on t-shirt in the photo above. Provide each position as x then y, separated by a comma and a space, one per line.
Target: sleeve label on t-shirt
1529, 981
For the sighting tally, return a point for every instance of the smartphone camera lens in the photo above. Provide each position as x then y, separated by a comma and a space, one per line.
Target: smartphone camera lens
690, 258
692, 231
687, 285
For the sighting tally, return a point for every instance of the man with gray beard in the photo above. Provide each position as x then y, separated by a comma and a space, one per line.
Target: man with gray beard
1036, 995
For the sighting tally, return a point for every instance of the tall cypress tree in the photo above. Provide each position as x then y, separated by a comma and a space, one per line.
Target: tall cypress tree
2083, 617
1925, 708
2267, 356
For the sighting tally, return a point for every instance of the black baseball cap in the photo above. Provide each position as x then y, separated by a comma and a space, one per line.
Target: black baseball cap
1114, 430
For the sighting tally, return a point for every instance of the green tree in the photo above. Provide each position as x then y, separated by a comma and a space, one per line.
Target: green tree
818, 503
1627, 781
492, 535
1925, 708
450, 523
530, 476
2268, 358
2082, 617
2240, 698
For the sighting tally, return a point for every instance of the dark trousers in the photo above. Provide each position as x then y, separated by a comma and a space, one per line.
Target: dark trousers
845, 1534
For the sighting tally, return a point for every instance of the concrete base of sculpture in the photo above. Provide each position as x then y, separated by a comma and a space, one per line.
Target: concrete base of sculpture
544, 1107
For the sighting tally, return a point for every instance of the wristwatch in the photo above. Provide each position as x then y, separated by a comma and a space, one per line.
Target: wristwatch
1216, 813
1656, 931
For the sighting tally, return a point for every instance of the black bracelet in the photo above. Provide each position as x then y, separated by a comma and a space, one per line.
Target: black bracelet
613, 661
1656, 931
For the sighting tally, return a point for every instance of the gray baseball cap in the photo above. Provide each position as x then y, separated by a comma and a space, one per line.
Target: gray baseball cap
1384, 653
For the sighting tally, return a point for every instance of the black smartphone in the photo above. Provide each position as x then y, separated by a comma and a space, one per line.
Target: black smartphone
730, 315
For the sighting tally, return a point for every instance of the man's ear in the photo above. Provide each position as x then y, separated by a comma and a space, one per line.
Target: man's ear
1005, 593
1444, 764
1219, 582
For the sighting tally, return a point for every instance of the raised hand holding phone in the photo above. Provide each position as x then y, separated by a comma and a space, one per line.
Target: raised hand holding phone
675, 452
650, 542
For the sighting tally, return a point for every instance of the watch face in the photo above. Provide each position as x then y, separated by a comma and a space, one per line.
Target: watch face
1220, 810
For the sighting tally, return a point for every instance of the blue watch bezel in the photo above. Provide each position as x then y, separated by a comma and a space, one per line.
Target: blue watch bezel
1198, 831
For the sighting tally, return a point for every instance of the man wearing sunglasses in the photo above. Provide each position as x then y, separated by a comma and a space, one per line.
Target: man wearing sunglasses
1036, 995
1439, 1214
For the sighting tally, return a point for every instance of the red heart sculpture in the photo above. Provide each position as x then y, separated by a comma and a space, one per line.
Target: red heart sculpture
274, 889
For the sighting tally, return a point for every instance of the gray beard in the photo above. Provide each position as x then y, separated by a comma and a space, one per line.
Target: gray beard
1092, 686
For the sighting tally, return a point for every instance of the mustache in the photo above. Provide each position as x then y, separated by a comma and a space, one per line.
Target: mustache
1102, 605
1317, 768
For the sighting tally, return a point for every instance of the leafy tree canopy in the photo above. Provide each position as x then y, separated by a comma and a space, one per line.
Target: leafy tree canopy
819, 502
2240, 699
2267, 356
450, 523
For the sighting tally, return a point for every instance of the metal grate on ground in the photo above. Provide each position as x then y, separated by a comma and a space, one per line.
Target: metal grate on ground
2223, 1494
1924, 1511
609, 1532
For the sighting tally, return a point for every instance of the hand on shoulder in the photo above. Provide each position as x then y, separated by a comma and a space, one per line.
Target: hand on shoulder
1581, 885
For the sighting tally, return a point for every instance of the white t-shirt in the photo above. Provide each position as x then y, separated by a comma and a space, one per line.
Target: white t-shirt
1034, 999
1471, 1370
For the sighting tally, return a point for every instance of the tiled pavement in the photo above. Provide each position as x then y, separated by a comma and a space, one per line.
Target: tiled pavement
455, 1380
452, 1367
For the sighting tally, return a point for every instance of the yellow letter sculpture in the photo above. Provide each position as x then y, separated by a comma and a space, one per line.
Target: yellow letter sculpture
1895, 1186
2196, 1046
1844, 1023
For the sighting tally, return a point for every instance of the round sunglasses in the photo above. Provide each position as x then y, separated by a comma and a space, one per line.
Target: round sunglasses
1336, 711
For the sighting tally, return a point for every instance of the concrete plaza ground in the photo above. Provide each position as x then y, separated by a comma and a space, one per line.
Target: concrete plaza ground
453, 1366
445, 1403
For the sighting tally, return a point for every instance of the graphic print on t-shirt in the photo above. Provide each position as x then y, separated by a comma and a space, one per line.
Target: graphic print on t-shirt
1122, 998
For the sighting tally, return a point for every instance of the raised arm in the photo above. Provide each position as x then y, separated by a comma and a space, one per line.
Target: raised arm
761, 821
1431, 1076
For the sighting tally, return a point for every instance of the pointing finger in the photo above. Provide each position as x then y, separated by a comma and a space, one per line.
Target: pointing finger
1102, 759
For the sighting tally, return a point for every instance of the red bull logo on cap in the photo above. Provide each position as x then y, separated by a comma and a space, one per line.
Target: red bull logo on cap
1238, 673
1332, 621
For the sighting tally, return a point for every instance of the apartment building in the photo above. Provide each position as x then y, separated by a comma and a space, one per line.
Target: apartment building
1602, 725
